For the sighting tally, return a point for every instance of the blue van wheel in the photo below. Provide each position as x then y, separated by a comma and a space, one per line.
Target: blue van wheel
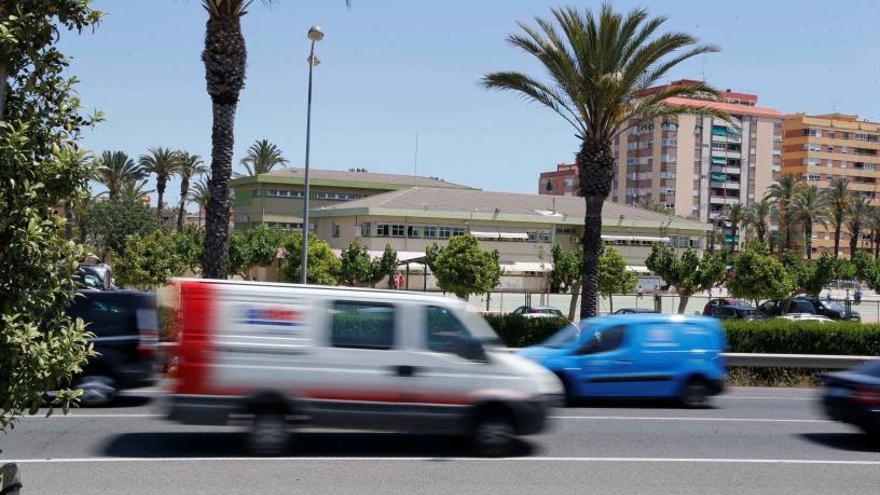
570, 397
695, 393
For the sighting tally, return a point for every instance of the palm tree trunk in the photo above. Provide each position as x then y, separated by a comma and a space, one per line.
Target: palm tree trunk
215, 254
836, 241
575, 294
596, 169
876, 245
853, 243
808, 238
184, 190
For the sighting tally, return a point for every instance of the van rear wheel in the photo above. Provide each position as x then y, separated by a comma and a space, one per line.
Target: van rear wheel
695, 393
269, 434
494, 436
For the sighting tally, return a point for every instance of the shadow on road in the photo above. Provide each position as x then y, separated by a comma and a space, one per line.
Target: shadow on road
305, 444
127, 401
634, 404
855, 442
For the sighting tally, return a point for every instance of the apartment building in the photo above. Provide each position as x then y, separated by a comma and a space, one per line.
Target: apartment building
820, 148
695, 165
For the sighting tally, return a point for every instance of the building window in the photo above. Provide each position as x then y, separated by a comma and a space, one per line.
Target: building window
335, 232
430, 231
366, 229
444, 232
414, 231
398, 230
256, 193
458, 231
383, 230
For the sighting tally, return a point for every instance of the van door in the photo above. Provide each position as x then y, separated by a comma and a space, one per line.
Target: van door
604, 361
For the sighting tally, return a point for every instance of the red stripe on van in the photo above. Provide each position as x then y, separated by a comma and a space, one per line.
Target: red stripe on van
196, 304
389, 396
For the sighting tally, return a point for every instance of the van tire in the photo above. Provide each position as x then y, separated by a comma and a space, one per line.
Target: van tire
494, 435
269, 435
570, 398
98, 390
695, 393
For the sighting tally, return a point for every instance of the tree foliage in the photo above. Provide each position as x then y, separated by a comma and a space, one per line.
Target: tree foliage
323, 265
566, 271
810, 277
257, 246
111, 222
149, 261
462, 268
687, 273
758, 275
40, 122
614, 276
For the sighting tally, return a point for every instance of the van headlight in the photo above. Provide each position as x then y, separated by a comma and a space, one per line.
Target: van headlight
550, 385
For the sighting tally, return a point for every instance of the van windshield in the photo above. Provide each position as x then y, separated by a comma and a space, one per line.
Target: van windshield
478, 327
565, 337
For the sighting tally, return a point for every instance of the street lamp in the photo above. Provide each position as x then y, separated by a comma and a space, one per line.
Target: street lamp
315, 34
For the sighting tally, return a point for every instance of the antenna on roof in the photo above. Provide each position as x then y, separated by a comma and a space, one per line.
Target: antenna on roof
416, 159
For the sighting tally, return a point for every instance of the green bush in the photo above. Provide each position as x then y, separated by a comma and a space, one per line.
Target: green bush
516, 331
788, 337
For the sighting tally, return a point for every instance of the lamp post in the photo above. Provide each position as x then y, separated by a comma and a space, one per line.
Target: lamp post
315, 34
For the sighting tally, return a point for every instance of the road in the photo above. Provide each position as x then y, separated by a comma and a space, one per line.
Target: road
755, 440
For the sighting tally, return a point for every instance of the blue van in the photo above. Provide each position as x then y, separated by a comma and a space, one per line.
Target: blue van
637, 355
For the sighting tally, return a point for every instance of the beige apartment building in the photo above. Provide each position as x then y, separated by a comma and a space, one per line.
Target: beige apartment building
695, 166
820, 148
276, 199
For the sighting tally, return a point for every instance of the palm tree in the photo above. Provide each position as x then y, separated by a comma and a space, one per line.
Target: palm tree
200, 194
599, 67
261, 158
188, 166
758, 214
225, 58
838, 205
114, 169
811, 208
783, 192
163, 163
134, 190
856, 221
735, 214
874, 226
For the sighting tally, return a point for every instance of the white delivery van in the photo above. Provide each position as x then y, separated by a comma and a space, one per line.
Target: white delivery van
275, 356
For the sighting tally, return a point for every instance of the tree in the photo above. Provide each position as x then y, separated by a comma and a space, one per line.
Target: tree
261, 158
758, 275
614, 276
873, 225
189, 244
384, 266
40, 123
735, 214
856, 221
783, 193
134, 192
810, 207
599, 67
323, 265
462, 268
200, 195
356, 267
115, 170
565, 275
689, 273
810, 277
838, 206
149, 261
759, 212
225, 59
188, 166
111, 222
163, 163
257, 246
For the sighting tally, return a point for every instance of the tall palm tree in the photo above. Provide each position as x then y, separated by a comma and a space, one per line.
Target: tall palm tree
114, 169
838, 205
874, 226
810, 207
200, 194
188, 166
735, 214
134, 190
782, 193
856, 220
759, 213
225, 59
598, 69
162, 162
261, 158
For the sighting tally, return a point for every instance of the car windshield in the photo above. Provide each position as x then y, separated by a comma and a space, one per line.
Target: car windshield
833, 306
565, 337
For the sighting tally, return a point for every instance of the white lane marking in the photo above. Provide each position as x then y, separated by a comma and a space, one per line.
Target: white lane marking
686, 418
94, 415
762, 397
684, 460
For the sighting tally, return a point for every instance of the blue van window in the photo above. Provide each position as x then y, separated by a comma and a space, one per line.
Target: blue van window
604, 341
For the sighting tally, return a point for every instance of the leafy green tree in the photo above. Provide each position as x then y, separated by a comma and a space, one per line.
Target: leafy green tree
614, 276
115, 170
356, 267
838, 205
188, 166
189, 243
463, 268
598, 66
384, 266
225, 59
566, 275
758, 275
111, 222
261, 158
149, 261
257, 246
40, 124
688, 274
813, 276
323, 265
864, 266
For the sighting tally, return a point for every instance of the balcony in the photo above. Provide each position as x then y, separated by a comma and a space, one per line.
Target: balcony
724, 185
719, 200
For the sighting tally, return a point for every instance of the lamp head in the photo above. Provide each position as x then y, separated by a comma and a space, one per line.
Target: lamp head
315, 33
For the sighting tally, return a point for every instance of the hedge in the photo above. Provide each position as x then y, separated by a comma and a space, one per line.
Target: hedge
771, 336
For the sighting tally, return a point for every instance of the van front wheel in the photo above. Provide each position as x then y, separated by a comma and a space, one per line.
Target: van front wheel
269, 435
695, 393
494, 436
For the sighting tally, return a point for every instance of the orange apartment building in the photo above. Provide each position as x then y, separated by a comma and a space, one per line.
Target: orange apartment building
695, 166
820, 148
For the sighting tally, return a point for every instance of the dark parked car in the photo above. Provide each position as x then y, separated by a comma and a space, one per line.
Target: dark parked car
538, 312
630, 311
809, 305
710, 306
737, 312
126, 334
854, 397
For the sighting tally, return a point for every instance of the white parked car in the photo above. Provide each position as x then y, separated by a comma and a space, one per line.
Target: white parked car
276, 356
538, 312
806, 317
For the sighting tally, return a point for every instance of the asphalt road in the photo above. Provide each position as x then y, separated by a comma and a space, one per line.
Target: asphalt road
754, 440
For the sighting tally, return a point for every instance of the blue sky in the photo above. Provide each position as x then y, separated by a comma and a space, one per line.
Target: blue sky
394, 68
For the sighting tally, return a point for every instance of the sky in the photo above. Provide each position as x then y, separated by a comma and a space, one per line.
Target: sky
397, 92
